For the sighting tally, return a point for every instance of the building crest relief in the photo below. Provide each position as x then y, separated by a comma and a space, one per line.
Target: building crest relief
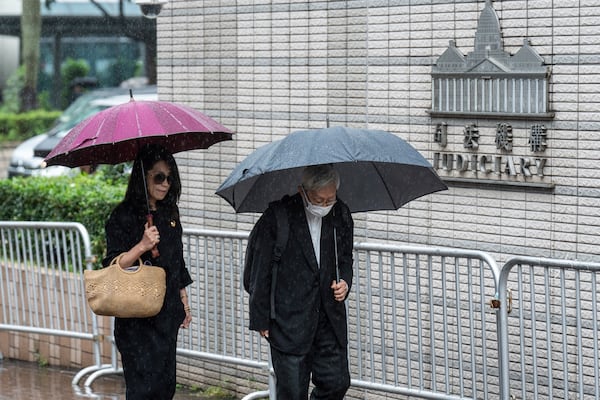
511, 91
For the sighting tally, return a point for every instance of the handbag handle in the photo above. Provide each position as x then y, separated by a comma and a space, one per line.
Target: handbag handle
117, 259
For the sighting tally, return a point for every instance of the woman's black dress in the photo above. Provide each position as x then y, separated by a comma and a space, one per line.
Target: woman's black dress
148, 345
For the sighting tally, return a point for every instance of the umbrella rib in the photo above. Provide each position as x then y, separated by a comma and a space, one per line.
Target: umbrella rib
387, 190
95, 137
173, 116
137, 122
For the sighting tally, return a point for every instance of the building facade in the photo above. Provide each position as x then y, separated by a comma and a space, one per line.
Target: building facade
501, 97
111, 36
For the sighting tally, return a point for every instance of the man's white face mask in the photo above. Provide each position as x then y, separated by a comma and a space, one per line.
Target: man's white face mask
318, 211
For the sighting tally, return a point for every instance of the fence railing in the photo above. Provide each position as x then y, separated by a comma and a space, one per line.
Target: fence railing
420, 323
37, 261
40, 287
421, 320
549, 338
219, 330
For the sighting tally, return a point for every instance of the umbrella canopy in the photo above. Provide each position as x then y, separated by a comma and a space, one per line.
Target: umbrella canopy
116, 134
378, 170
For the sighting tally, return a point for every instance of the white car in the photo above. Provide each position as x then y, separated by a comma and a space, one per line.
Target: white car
27, 157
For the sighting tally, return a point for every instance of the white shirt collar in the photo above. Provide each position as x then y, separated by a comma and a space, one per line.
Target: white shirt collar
314, 227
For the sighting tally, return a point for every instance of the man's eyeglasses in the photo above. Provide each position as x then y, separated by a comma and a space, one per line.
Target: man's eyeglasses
323, 202
159, 178
319, 201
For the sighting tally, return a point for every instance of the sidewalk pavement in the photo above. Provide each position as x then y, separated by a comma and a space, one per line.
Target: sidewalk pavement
21, 380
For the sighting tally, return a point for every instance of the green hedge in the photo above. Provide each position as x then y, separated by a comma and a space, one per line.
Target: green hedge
18, 127
87, 199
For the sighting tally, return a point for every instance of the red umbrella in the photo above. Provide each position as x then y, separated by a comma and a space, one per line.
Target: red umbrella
116, 134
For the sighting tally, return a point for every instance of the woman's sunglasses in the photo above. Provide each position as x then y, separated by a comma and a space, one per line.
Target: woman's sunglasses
159, 178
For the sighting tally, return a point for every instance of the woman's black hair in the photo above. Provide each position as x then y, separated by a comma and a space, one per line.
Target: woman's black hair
147, 156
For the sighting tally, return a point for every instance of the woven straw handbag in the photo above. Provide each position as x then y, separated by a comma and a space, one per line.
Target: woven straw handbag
116, 292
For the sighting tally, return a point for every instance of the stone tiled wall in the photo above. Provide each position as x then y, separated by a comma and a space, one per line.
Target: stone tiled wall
266, 68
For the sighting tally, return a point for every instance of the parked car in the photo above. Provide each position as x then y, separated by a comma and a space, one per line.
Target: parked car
27, 157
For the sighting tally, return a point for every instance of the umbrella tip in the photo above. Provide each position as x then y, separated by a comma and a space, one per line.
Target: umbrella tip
130, 94
43, 165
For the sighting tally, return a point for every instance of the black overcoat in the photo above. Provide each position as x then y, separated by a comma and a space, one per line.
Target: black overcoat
302, 290
148, 345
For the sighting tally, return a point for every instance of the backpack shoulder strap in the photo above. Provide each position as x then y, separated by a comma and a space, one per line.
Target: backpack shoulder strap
283, 230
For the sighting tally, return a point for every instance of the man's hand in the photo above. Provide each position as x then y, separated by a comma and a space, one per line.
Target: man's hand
340, 290
265, 333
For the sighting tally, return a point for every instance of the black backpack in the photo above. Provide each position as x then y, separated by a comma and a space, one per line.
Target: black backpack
283, 229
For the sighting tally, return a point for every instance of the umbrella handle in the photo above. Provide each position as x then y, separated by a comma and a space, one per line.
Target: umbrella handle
150, 220
337, 266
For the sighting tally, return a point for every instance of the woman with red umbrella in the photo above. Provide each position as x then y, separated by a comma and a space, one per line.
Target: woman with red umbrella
148, 345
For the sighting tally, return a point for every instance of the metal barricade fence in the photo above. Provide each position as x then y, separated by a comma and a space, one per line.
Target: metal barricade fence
41, 290
219, 330
420, 323
549, 329
419, 318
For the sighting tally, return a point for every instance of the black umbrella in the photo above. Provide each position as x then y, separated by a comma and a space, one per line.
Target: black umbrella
378, 170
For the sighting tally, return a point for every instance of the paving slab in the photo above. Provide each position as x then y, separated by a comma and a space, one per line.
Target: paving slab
21, 380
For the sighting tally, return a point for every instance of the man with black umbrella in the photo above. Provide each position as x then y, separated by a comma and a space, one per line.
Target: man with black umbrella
298, 305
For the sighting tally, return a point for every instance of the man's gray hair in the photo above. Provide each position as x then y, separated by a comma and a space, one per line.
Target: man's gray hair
316, 177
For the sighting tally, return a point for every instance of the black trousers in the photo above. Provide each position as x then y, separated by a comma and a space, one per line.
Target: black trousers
327, 361
149, 361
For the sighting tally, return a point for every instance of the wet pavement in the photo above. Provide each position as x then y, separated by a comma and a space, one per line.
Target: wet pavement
20, 380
